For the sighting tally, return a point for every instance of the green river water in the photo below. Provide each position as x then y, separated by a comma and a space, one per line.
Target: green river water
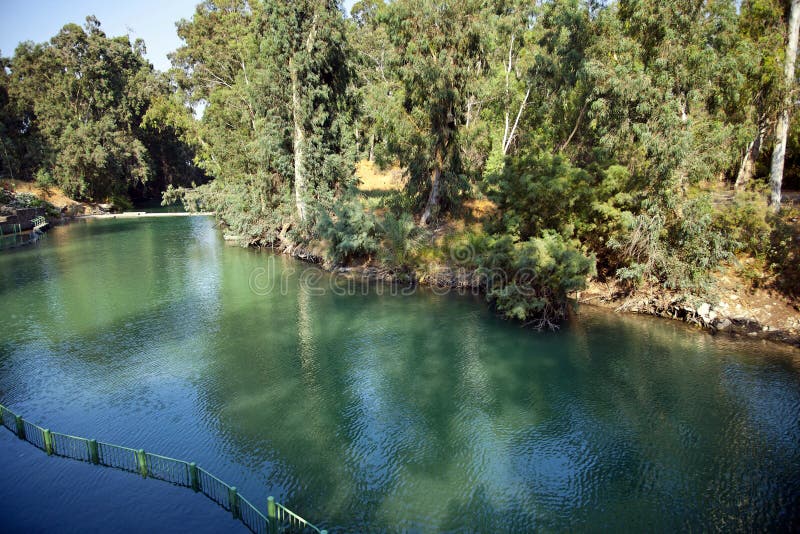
369, 412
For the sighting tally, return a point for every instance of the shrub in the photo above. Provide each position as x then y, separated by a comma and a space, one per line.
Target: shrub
259, 209
121, 202
45, 180
539, 275
541, 191
677, 246
351, 231
744, 221
6, 196
27, 200
400, 238
696, 246
783, 253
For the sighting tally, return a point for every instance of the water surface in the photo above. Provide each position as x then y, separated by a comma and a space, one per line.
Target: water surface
368, 412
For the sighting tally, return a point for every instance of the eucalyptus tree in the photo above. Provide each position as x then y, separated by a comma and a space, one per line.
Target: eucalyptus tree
662, 81
305, 47
782, 127
273, 78
72, 113
501, 99
663, 78
215, 67
17, 137
85, 94
375, 84
761, 31
438, 47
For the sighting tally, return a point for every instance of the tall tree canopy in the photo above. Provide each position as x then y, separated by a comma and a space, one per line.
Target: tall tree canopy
638, 135
274, 79
76, 106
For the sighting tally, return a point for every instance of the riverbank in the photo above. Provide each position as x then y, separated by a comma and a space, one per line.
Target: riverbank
736, 308
745, 300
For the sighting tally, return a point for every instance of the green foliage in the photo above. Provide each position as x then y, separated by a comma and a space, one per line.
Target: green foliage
783, 255
97, 161
541, 272
73, 109
6, 196
44, 180
351, 232
744, 221
255, 210
10, 199
400, 239
542, 191
434, 49
529, 280
678, 247
26, 200
274, 78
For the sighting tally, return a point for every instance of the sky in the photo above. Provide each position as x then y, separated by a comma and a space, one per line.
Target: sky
150, 20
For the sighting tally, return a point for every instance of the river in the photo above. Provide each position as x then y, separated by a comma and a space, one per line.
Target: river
368, 412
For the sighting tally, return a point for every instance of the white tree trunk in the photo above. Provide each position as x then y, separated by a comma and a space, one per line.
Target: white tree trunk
372, 148
782, 128
568, 140
299, 150
507, 143
433, 197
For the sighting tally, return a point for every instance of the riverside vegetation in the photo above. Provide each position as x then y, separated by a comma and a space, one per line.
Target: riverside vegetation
641, 143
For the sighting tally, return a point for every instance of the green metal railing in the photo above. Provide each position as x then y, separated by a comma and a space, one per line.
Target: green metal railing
13, 239
278, 518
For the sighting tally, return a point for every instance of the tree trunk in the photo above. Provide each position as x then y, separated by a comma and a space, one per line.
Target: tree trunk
372, 148
748, 166
299, 149
782, 128
507, 140
566, 143
9, 164
436, 179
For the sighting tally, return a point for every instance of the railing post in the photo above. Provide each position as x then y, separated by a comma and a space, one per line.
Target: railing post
233, 497
48, 441
194, 481
142, 462
272, 515
20, 427
94, 451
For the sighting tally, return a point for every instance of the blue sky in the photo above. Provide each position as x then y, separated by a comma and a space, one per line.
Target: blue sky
151, 20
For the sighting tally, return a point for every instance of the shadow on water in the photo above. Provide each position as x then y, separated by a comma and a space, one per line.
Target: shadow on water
368, 413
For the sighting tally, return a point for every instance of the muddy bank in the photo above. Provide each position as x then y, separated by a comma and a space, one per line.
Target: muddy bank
735, 311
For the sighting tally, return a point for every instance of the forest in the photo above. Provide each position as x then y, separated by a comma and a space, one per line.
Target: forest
536, 145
